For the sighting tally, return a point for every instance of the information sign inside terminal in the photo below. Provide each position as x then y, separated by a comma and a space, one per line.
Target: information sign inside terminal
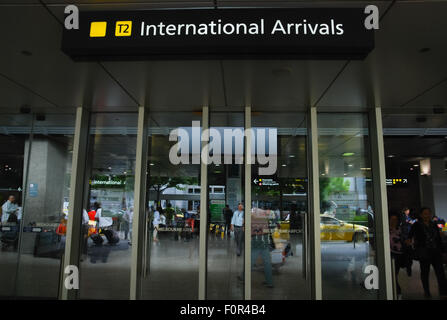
396, 182
322, 33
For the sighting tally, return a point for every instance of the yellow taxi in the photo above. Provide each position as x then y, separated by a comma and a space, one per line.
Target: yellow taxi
332, 229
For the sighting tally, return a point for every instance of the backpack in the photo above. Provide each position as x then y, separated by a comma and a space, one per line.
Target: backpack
97, 239
12, 218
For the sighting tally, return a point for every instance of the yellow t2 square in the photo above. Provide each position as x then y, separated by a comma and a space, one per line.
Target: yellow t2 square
123, 28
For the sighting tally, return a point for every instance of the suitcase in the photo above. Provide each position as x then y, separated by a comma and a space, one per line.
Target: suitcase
97, 239
112, 236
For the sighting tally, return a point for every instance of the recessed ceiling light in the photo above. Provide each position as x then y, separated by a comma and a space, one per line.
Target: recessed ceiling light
415, 165
365, 168
125, 172
284, 165
292, 156
348, 154
151, 164
350, 165
110, 168
344, 174
391, 156
323, 174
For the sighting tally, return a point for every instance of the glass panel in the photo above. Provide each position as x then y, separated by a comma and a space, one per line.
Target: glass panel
14, 138
416, 177
106, 254
225, 247
46, 205
173, 195
347, 210
279, 207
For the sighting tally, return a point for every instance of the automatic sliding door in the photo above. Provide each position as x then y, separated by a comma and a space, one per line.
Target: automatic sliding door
109, 201
226, 206
280, 210
171, 247
14, 138
347, 210
48, 162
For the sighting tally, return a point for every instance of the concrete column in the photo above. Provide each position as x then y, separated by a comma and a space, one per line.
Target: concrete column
313, 248
77, 185
139, 217
381, 235
47, 172
203, 251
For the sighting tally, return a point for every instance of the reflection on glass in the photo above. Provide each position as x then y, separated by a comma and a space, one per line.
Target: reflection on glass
279, 208
14, 136
107, 216
226, 212
347, 217
171, 243
48, 161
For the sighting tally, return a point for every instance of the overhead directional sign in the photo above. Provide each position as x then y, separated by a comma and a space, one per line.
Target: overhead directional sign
396, 181
328, 33
265, 182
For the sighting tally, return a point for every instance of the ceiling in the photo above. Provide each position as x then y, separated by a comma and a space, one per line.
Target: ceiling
396, 75
407, 82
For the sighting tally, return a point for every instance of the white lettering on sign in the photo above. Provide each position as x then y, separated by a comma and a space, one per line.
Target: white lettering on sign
253, 28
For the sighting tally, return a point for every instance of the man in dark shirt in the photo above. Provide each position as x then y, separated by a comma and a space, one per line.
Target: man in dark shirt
429, 249
228, 214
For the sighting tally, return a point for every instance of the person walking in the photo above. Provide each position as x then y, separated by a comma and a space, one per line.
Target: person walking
397, 249
228, 214
237, 225
406, 222
260, 244
156, 223
128, 218
8, 208
428, 249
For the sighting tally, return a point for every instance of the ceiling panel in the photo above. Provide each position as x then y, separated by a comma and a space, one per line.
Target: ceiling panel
396, 70
393, 74
46, 70
14, 96
277, 84
177, 85
436, 97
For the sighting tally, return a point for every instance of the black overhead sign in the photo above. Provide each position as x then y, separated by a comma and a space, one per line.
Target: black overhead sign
305, 33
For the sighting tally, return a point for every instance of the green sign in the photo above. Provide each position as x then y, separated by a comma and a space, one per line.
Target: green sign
216, 209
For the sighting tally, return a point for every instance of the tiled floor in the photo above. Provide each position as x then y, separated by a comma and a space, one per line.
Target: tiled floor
173, 273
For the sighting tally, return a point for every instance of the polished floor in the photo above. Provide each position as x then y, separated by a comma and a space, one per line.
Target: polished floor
173, 272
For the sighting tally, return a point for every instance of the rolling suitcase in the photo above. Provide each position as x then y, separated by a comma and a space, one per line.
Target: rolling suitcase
97, 239
112, 236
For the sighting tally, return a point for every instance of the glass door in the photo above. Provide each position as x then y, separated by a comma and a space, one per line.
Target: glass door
171, 237
279, 190
14, 138
226, 214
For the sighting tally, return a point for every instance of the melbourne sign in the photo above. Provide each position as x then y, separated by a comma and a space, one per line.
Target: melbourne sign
223, 33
